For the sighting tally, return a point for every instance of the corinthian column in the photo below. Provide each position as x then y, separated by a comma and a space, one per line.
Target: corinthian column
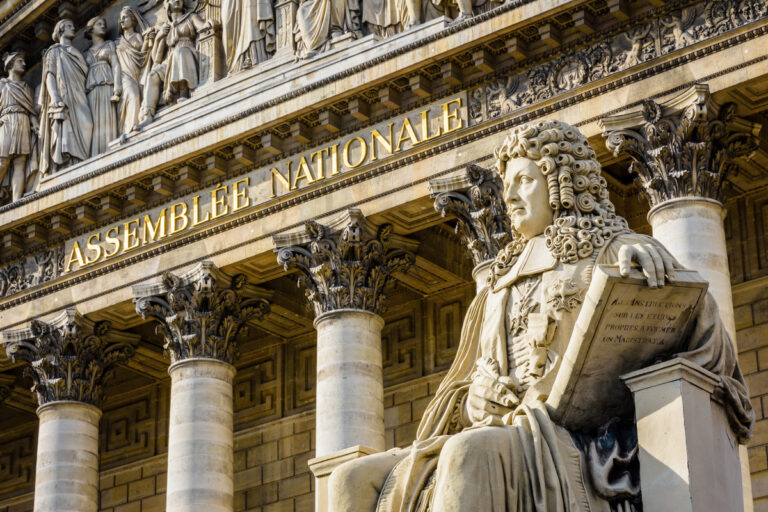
345, 267
69, 360
200, 315
682, 152
476, 199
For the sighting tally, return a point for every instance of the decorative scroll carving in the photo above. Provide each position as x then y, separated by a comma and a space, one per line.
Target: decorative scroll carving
346, 265
69, 358
200, 313
476, 199
658, 37
31, 271
684, 147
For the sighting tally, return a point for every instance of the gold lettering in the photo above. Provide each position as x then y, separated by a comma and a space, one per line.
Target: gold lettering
363, 153
319, 161
386, 143
448, 115
217, 202
196, 211
75, 255
425, 136
156, 231
411, 135
93, 247
238, 194
302, 173
334, 160
112, 240
175, 217
130, 235
282, 179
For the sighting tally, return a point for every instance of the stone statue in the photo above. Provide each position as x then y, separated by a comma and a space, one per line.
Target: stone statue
486, 440
65, 117
174, 59
318, 21
466, 8
248, 31
18, 126
102, 85
132, 50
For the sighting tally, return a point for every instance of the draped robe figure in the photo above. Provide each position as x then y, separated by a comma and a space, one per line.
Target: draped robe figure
317, 21
100, 87
520, 326
248, 31
18, 124
66, 130
133, 55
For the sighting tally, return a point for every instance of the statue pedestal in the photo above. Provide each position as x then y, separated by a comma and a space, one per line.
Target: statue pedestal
689, 458
322, 467
212, 61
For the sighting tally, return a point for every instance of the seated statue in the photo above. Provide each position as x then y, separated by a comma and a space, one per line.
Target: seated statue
486, 441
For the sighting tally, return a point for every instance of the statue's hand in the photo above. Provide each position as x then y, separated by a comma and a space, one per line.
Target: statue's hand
490, 394
655, 261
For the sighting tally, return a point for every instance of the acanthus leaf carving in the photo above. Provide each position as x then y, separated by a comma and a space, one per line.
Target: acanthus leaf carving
71, 357
201, 313
476, 200
345, 267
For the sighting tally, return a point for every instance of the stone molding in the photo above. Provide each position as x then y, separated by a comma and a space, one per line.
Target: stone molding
683, 147
201, 312
476, 199
345, 264
70, 358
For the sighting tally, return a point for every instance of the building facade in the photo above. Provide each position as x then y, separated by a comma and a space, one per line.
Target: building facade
234, 204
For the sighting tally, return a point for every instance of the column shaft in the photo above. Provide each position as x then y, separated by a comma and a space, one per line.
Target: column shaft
200, 437
692, 230
350, 389
67, 474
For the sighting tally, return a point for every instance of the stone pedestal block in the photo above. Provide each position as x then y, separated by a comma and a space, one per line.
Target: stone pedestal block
200, 437
212, 64
350, 390
322, 467
689, 458
692, 229
67, 474
285, 45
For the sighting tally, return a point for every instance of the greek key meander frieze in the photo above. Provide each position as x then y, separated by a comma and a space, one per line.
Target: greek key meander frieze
638, 45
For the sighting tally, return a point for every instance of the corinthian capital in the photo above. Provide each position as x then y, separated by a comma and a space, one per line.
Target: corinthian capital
201, 313
476, 199
685, 147
346, 264
69, 358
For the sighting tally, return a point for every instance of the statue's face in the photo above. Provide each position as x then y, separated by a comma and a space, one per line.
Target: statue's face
126, 20
99, 27
19, 65
176, 5
527, 197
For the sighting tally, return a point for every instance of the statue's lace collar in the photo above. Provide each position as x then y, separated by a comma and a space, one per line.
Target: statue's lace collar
534, 259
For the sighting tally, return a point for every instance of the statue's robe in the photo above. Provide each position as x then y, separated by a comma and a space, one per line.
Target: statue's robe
248, 32
528, 463
17, 110
66, 135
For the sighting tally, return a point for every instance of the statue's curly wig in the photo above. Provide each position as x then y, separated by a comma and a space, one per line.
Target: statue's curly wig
584, 218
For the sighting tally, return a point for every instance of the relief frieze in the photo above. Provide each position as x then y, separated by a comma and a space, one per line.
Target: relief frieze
641, 43
237, 195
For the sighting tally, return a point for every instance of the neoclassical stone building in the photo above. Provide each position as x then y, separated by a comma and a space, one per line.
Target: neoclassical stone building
214, 215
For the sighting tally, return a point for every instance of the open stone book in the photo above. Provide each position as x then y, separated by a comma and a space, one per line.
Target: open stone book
624, 325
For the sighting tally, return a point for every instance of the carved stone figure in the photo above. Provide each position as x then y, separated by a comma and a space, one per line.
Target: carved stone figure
102, 85
318, 21
18, 126
174, 59
132, 50
486, 441
466, 8
248, 31
66, 122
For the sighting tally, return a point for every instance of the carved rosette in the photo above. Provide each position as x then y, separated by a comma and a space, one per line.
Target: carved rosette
70, 358
476, 200
685, 147
201, 313
346, 265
